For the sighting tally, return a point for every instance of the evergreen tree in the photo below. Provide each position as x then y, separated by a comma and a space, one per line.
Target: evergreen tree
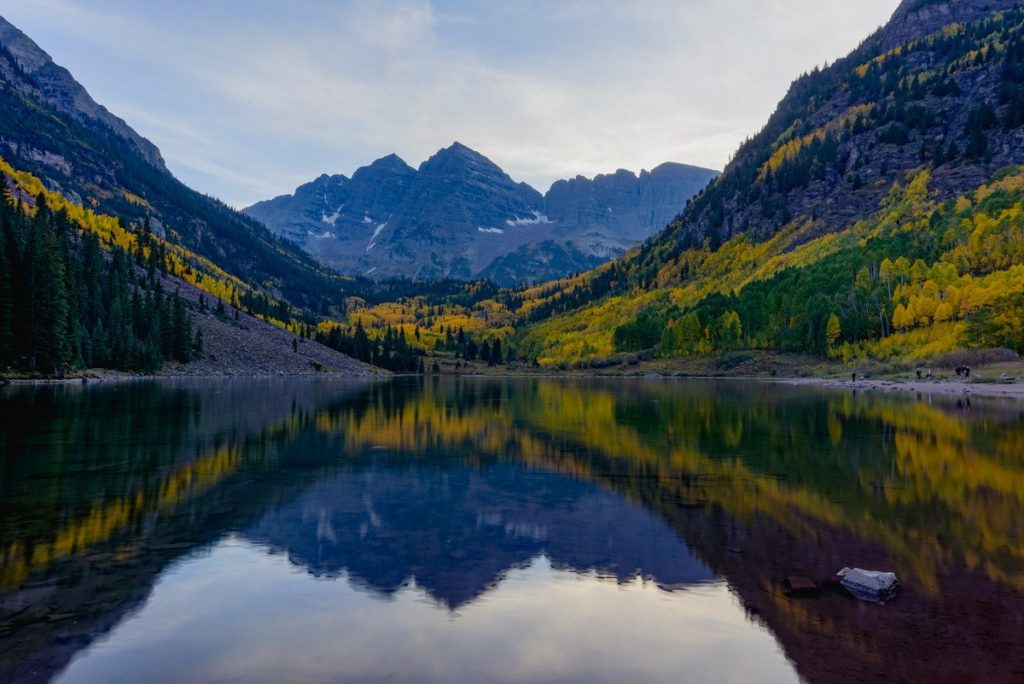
6, 298
361, 344
981, 118
50, 349
197, 344
182, 338
495, 357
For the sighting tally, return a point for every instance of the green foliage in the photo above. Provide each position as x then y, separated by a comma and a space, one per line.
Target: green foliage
897, 279
1000, 325
644, 332
65, 304
392, 351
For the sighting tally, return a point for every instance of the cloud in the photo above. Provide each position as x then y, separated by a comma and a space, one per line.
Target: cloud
247, 104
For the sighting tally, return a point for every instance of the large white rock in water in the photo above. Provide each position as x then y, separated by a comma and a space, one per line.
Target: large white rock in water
869, 585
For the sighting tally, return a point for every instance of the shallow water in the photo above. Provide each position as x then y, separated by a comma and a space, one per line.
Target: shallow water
502, 531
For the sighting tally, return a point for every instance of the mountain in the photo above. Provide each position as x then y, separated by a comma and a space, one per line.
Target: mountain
459, 215
876, 216
906, 98
108, 261
51, 128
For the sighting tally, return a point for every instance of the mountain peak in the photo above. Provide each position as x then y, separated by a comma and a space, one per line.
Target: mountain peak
457, 158
458, 150
390, 162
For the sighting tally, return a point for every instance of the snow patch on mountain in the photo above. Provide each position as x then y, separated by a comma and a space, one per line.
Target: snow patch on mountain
332, 219
537, 219
496, 231
376, 233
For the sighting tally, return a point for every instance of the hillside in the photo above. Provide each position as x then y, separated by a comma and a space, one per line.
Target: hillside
79, 292
51, 128
460, 216
877, 214
82, 190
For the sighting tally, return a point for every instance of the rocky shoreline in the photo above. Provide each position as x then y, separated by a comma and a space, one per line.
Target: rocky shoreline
1008, 389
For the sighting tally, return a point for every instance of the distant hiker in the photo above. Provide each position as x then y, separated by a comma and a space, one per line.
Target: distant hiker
918, 373
929, 376
967, 371
853, 377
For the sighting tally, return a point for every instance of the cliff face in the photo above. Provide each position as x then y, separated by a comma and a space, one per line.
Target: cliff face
459, 215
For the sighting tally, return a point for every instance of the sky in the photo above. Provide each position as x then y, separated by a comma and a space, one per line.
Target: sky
248, 100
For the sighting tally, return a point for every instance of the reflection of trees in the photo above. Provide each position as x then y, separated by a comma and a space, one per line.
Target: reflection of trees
795, 478
82, 468
935, 487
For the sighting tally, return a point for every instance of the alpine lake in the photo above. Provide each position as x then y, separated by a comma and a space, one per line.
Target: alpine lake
505, 530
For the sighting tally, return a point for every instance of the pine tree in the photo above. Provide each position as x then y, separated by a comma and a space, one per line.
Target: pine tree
181, 331
6, 299
495, 357
981, 118
50, 350
197, 344
361, 344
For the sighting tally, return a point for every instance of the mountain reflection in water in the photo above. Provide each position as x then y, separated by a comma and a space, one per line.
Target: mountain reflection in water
457, 531
487, 496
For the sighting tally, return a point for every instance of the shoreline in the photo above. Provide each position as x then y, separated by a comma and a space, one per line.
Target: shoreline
88, 378
1002, 390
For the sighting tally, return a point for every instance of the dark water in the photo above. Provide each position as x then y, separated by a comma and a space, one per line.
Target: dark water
504, 531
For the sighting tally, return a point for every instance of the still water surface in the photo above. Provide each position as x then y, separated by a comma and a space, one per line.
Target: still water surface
504, 531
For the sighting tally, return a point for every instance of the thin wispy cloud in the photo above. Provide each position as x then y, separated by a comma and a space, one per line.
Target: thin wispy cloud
248, 100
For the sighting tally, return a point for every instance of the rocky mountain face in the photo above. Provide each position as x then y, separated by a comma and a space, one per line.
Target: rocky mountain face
916, 94
460, 216
917, 18
25, 67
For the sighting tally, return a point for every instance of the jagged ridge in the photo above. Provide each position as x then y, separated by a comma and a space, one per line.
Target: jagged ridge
459, 215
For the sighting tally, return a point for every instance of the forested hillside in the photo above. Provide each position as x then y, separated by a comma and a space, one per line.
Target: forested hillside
878, 213
64, 304
80, 290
